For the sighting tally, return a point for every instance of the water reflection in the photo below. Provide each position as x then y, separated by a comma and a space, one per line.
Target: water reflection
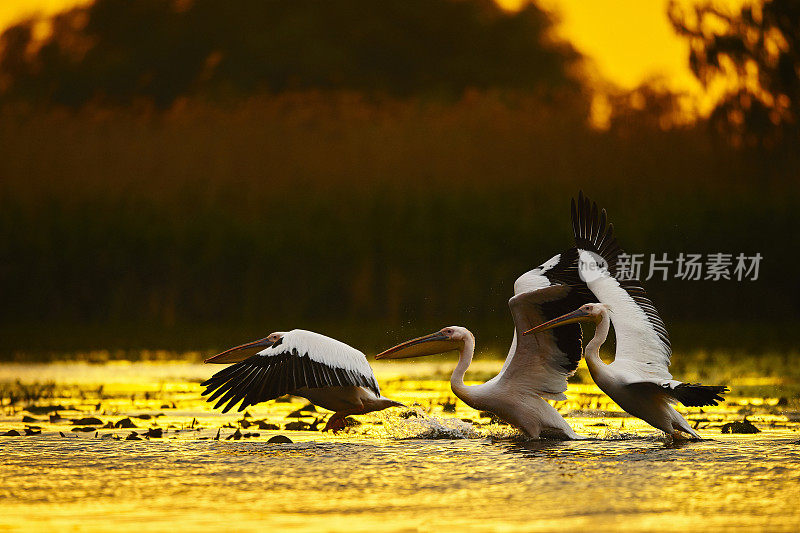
534, 448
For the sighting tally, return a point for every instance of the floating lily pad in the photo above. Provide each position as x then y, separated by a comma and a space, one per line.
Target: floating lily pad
745, 426
235, 436
126, 423
44, 409
297, 413
87, 421
297, 426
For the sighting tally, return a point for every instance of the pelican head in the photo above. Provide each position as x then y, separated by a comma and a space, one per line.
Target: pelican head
586, 313
444, 340
242, 352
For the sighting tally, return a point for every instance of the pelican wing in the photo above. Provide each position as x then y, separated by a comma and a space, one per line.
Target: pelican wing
560, 269
541, 362
300, 359
642, 338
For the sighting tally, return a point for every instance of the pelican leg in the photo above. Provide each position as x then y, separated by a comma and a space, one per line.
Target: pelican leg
335, 422
680, 435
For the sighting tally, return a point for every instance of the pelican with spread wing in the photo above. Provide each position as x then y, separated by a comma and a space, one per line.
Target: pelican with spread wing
537, 367
638, 379
326, 372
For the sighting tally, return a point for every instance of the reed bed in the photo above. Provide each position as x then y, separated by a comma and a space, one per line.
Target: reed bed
361, 213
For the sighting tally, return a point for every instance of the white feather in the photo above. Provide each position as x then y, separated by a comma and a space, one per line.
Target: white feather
529, 281
533, 279
322, 349
640, 352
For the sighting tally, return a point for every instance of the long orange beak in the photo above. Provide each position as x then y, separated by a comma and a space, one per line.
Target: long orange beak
579, 315
432, 344
240, 353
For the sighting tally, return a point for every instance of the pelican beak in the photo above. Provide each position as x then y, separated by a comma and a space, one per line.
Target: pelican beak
240, 353
579, 315
432, 344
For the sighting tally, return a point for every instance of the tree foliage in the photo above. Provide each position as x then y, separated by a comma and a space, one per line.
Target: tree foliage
118, 51
755, 54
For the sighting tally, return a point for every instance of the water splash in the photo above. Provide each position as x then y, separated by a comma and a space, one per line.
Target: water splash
610, 433
414, 423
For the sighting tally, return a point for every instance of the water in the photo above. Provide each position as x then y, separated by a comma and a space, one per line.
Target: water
466, 475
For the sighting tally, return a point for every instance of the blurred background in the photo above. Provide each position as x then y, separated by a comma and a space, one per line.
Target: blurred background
190, 174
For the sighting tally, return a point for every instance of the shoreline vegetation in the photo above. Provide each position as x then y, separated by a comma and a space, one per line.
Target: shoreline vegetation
290, 210
35, 341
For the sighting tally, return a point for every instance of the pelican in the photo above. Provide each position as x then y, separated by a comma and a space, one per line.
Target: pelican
326, 372
536, 368
638, 379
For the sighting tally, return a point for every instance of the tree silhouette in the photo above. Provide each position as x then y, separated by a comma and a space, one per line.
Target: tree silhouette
118, 51
755, 54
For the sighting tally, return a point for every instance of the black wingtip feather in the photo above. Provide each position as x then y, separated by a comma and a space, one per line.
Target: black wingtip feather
696, 395
573, 216
587, 222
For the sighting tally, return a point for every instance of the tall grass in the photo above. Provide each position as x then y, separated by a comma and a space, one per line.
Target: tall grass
381, 214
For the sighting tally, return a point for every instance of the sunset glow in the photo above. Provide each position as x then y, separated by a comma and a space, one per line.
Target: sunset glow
627, 41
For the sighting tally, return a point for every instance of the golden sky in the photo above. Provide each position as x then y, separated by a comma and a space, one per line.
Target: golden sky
627, 40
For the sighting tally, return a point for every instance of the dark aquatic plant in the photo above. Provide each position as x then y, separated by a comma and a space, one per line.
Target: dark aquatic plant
744, 426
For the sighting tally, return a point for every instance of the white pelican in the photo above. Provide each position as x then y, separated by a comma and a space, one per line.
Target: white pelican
326, 372
638, 380
536, 368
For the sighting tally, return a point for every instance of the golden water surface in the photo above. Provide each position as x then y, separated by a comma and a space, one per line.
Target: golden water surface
438, 465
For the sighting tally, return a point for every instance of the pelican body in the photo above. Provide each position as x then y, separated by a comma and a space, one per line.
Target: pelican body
502, 395
645, 394
326, 372
638, 380
537, 367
